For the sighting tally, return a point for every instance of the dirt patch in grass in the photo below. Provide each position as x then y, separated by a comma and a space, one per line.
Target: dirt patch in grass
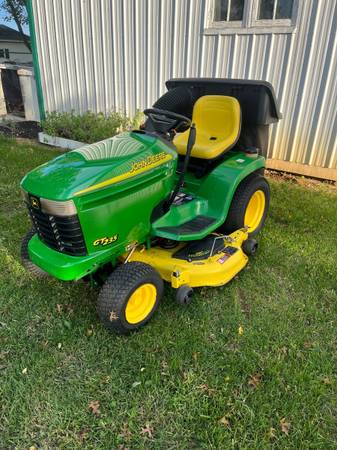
312, 183
28, 129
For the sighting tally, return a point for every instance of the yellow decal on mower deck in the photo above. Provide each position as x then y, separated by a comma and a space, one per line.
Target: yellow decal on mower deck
137, 168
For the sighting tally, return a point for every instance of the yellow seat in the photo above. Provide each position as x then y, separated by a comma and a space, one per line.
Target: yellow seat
217, 119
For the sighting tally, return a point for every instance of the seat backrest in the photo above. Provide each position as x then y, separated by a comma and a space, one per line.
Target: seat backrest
217, 114
218, 121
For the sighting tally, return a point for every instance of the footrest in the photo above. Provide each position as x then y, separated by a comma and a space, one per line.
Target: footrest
196, 225
189, 218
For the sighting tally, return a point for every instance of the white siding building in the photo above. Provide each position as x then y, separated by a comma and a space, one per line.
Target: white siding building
12, 47
104, 55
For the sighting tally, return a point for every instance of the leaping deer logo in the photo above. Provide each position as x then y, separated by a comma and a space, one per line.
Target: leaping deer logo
35, 203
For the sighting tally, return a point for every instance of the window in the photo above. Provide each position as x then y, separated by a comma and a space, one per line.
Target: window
252, 16
228, 10
4, 53
275, 9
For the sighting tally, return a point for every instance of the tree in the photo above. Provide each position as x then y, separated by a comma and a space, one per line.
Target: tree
16, 10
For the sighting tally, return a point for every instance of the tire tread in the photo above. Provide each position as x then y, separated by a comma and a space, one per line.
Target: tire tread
32, 268
118, 287
243, 193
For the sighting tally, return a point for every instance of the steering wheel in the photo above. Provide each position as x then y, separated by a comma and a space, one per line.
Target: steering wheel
164, 121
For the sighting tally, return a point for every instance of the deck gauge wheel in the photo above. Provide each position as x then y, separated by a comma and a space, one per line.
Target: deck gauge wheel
184, 295
250, 247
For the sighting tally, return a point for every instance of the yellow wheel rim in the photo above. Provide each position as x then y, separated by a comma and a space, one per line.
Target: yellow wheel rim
141, 303
255, 210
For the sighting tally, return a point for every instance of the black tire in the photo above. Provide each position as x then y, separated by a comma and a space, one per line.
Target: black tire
241, 198
250, 247
117, 290
184, 295
25, 260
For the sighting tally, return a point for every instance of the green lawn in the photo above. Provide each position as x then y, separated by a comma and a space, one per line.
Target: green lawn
273, 384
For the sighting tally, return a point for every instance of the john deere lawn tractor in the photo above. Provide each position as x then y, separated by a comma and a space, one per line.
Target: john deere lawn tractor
178, 200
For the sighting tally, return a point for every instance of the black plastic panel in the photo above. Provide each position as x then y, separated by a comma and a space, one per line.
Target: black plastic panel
257, 98
200, 250
63, 234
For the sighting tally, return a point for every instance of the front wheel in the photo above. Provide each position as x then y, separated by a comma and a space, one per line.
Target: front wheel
129, 297
249, 206
32, 268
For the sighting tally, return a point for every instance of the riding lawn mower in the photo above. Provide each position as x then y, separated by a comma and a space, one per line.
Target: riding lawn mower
179, 200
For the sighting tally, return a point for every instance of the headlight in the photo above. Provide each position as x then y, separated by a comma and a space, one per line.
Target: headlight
55, 208
51, 207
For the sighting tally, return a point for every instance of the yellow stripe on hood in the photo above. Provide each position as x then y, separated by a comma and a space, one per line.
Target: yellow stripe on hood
136, 169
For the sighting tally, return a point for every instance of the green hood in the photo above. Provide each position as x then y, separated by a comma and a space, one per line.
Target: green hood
96, 166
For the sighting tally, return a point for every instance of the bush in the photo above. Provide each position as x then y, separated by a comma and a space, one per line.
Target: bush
89, 127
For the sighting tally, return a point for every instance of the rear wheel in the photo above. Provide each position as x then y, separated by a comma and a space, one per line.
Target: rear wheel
129, 297
249, 206
26, 261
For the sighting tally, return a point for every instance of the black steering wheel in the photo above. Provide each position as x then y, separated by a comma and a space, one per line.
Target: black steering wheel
164, 122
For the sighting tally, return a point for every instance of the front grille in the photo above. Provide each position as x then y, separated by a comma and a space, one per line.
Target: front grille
63, 234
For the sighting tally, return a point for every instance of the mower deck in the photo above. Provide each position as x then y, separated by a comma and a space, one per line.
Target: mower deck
214, 261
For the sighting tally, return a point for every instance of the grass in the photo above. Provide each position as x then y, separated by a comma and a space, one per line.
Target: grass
272, 381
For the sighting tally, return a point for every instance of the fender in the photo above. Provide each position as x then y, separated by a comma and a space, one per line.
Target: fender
221, 184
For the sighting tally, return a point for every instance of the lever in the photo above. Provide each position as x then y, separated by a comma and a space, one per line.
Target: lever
190, 143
